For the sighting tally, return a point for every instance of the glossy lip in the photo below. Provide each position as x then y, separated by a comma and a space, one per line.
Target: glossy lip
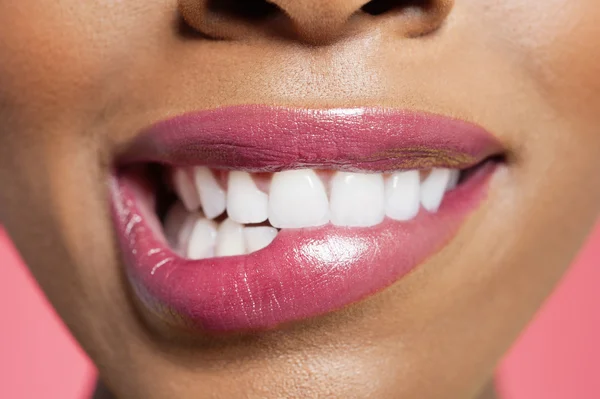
269, 139
304, 272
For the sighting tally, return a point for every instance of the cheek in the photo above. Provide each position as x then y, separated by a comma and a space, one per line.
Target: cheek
60, 55
46, 58
558, 42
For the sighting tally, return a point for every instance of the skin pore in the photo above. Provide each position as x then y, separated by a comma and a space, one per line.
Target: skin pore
78, 80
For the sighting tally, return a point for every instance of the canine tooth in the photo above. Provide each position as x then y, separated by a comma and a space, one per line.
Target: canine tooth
245, 202
357, 199
202, 239
453, 181
297, 199
230, 239
402, 197
212, 196
257, 238
433, 189
178, 227
185, 190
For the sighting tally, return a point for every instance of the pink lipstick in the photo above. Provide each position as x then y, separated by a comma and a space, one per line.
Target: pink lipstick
303, 272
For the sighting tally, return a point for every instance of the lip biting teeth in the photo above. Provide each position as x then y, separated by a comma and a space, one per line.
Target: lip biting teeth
290, 199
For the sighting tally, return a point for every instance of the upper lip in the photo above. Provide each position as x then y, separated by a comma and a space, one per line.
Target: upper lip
270, 139
305, 272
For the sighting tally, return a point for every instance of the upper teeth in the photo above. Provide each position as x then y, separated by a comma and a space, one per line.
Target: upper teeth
297, 199
402, 196
433, 189
245, 202
187, 193
292, 199
357, 199
212, 196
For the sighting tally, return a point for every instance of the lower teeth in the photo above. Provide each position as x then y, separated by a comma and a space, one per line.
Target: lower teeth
193, 236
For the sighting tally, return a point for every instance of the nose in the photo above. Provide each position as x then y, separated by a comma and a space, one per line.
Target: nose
311, 21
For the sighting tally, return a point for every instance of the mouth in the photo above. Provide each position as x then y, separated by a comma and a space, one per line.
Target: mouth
249, 217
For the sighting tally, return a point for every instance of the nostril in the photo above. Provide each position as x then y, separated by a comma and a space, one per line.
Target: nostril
316, 22
243, 9
379, 7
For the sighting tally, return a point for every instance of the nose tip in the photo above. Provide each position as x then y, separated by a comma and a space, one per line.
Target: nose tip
311, 21
321, 21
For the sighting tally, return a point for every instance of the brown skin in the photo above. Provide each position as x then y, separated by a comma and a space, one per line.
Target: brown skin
79, 79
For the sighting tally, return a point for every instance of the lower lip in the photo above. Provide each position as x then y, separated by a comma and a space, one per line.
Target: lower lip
302, 274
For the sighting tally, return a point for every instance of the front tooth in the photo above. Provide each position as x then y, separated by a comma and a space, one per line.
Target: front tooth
433, 189
230, 239
178, 227
257, 238
297, 199
212, 196
402, 199
185, 190
357, 199
202, 239
453, 181
245, 202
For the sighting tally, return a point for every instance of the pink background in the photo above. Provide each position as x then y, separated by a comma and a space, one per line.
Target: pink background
558, 357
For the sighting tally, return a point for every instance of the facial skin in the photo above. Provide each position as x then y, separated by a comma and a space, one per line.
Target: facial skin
78, 80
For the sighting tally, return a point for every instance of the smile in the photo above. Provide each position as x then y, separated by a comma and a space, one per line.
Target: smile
248, 217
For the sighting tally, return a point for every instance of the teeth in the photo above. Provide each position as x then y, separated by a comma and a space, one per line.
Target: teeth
245, 202
202, 239
297, 199
433, 189
184, 187
257, 238
453, 181
402, 195
212, 196
230, 239
357, 199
